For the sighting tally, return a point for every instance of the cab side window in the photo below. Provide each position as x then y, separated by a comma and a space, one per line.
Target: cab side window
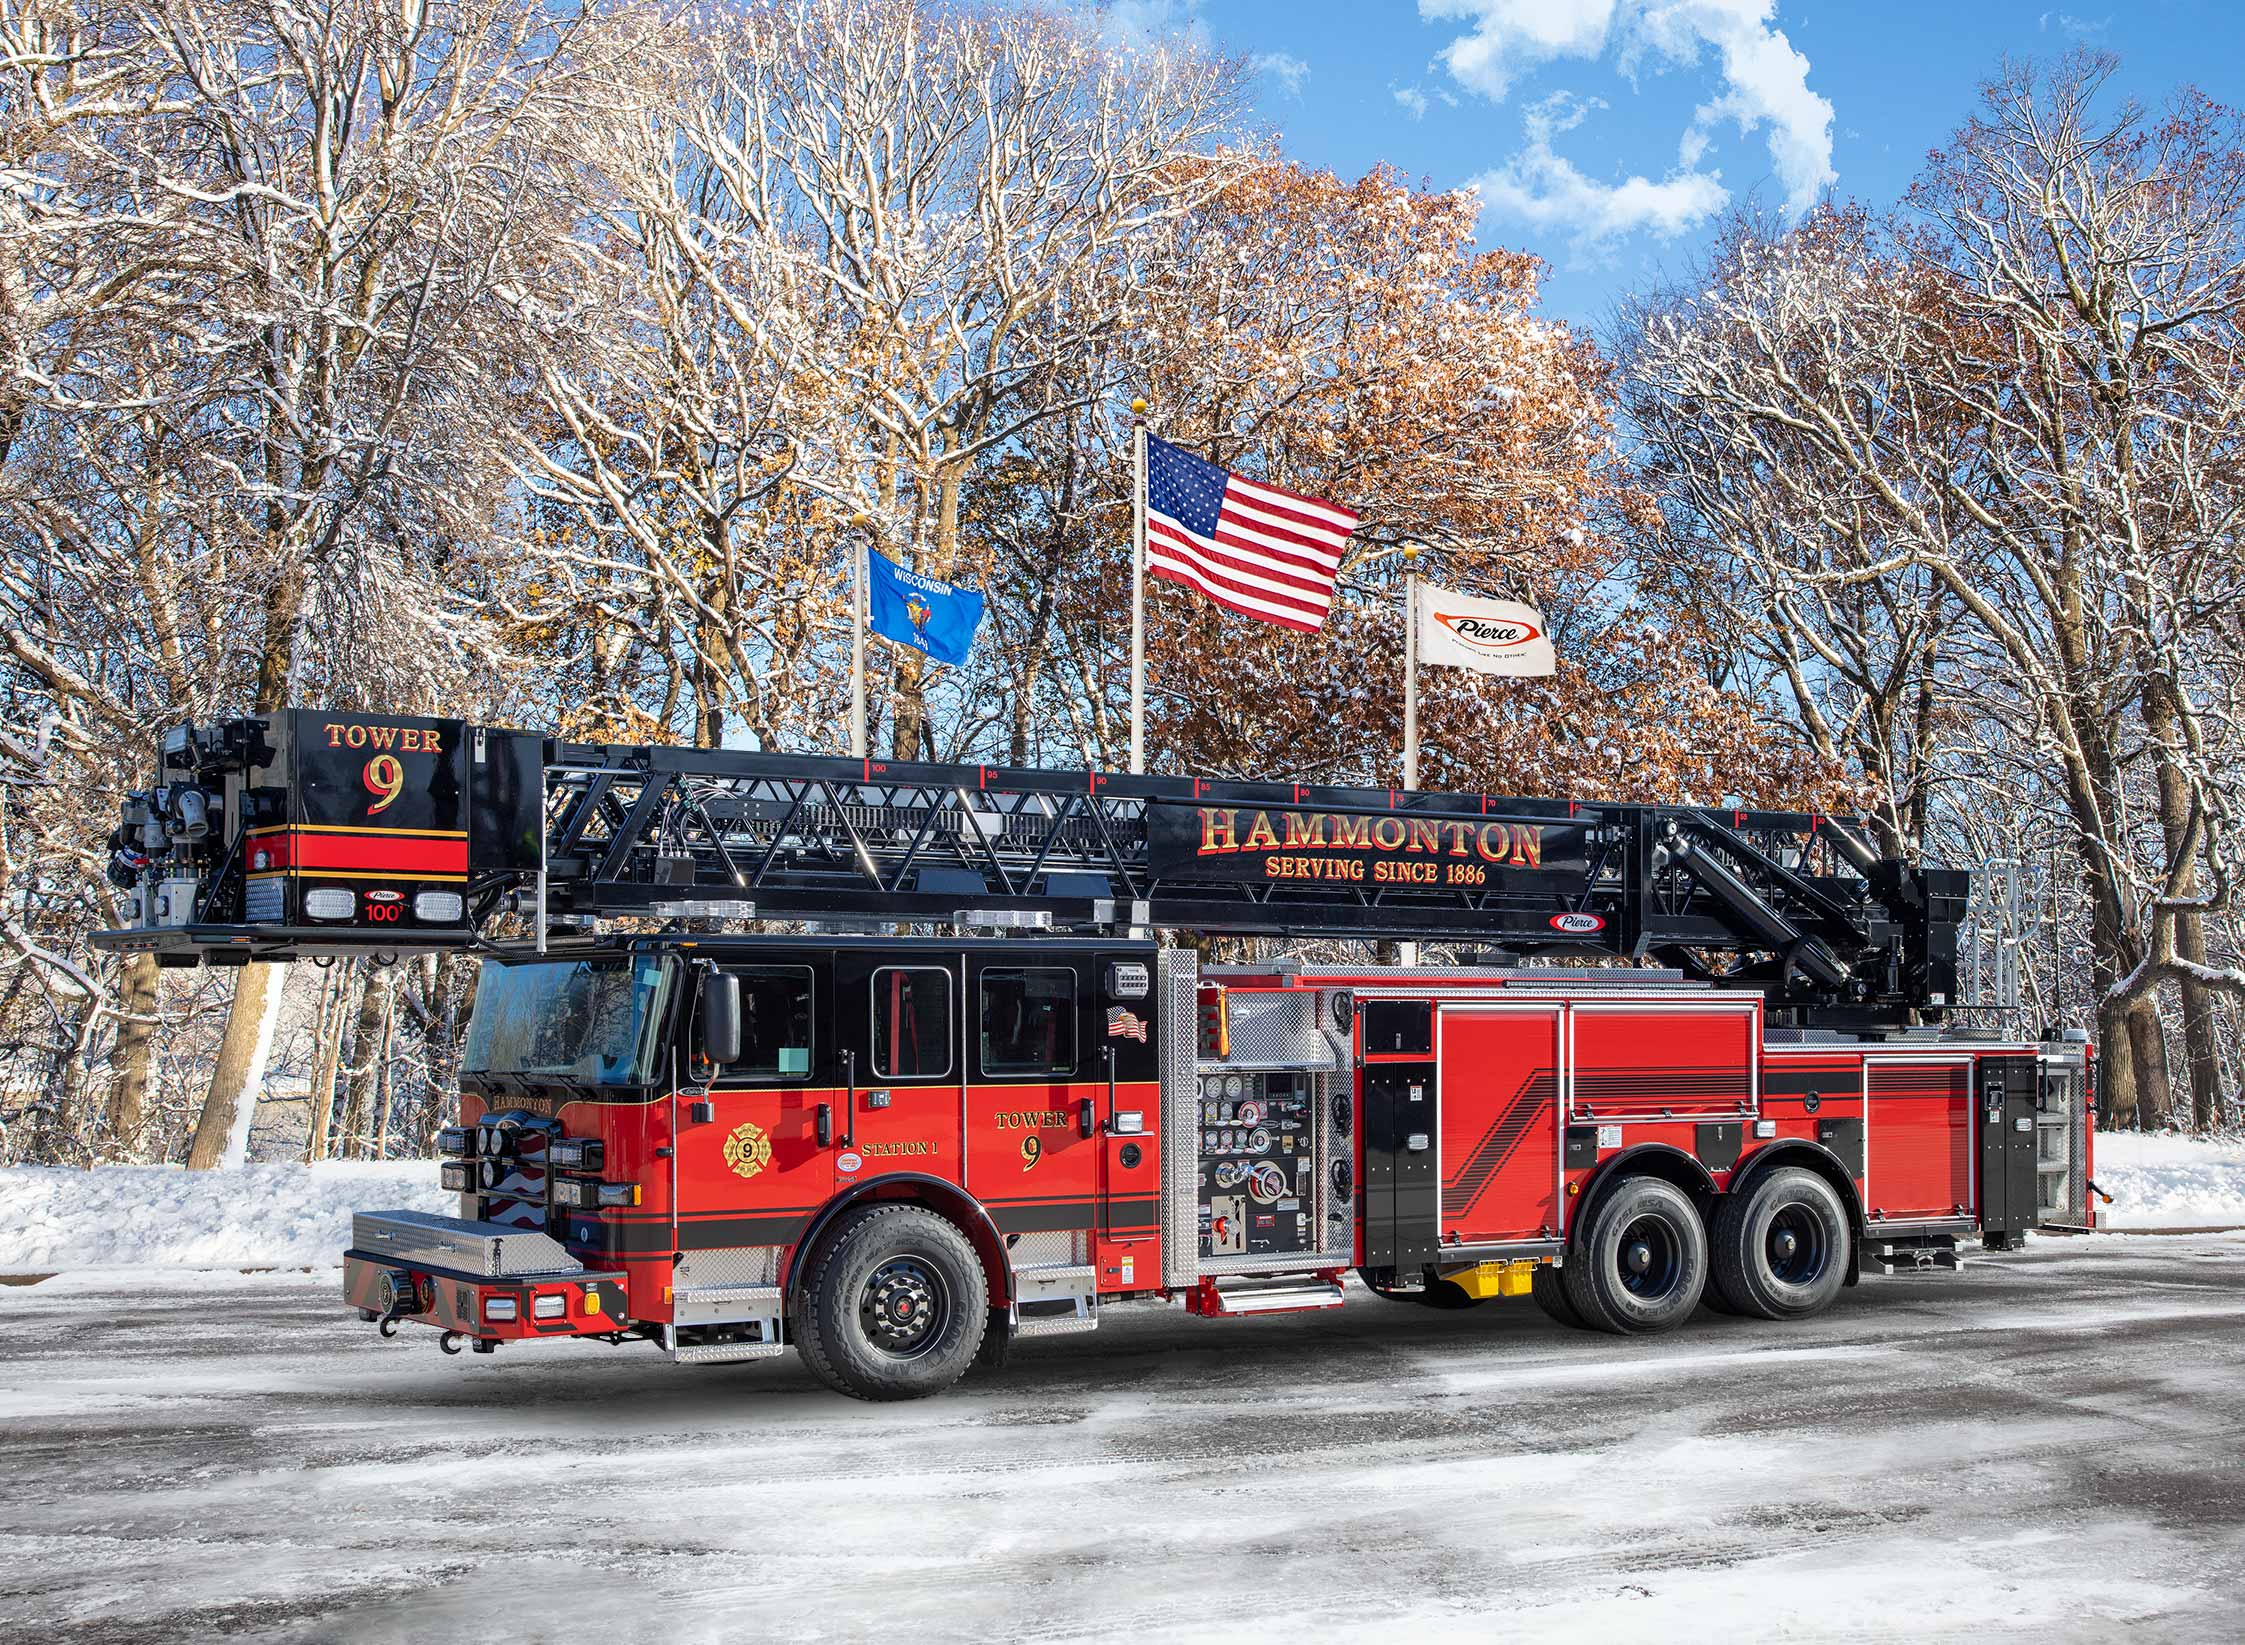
912, 1017
776, 1016
1029, 1022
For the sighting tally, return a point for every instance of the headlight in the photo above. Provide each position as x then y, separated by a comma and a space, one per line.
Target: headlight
550, 1307
456, 1142
577, 1154
456, 1177
500, 1308
619, 1193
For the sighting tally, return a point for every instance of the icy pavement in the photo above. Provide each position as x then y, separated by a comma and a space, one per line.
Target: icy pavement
2045, 1447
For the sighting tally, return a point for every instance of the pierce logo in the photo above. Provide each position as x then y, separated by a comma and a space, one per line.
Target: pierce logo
1484, 635
1578, 924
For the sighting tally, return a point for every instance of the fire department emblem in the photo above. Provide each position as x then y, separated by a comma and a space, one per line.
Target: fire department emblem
748, 1150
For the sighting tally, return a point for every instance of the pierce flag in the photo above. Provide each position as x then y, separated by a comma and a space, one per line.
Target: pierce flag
1488, 636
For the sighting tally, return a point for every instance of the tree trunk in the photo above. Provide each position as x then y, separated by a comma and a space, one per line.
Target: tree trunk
2201, 1043
134, 1055
327, 1050
2147, 1038
2116, 1069
222, 1134
366, 1056
382, 1092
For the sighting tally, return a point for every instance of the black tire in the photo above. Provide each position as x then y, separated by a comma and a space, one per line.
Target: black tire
894, 1304
1641, 1263
1550, 1292
1781, 1248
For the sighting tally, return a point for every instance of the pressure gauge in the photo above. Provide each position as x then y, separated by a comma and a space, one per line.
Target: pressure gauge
1259, 1142
1233, 1085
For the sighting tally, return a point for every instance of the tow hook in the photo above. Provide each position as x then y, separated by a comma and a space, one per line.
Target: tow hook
450, 1342
387, 1325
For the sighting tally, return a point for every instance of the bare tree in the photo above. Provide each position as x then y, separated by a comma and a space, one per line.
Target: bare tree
2026, 390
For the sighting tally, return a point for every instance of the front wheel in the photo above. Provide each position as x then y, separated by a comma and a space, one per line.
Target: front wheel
1641, 1264
894, 1305
1781, 1247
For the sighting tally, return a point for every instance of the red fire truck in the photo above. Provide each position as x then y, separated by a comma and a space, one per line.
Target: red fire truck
973, 1098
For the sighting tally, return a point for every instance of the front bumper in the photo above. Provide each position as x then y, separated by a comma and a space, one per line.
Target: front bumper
483, 1280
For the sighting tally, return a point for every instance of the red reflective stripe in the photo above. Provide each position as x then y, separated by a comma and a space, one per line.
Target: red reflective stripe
402, 854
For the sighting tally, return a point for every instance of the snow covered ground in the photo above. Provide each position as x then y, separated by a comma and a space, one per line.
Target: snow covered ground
258, 1216
2162, 1180
2041, 1448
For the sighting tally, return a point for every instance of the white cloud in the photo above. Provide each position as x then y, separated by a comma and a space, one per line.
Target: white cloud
1543, 188
2074, 28
1413, 100
1284, 67
1764, 79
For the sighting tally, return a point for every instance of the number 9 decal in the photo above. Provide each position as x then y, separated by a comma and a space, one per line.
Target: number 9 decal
383, 776
1032, 1150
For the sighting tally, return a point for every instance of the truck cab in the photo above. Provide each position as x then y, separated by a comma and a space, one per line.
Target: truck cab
667, 1125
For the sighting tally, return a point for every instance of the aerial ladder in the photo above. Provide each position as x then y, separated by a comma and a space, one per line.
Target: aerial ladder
303, 833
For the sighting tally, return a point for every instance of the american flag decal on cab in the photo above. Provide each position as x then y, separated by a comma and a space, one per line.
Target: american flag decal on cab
1125, 1024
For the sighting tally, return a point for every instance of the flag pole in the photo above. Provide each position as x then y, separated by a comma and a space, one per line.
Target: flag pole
1137, 587
861, 545
1411, 665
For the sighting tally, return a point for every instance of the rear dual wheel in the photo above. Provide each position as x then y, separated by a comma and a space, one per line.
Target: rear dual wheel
1780, 1248
1640, 1264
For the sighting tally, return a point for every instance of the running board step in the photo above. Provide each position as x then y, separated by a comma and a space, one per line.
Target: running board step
1288, 1298
1055, 1299
716, 1324
720, 1353
1935, 1255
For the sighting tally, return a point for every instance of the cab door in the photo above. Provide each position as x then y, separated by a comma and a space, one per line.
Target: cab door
902, 1070
1033, 1143
755, 1169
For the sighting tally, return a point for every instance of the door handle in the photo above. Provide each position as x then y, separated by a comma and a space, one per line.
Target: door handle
825, 1123
1087, 1117
1416, 1142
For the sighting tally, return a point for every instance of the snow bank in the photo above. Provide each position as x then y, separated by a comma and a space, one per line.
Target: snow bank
2162, 1180
257, 1216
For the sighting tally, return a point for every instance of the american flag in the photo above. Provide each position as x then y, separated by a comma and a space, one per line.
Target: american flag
1249, 547
1122, 1024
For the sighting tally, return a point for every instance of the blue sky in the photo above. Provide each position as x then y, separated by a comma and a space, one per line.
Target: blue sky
1605, 133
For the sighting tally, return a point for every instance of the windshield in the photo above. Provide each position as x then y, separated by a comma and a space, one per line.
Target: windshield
584, 1021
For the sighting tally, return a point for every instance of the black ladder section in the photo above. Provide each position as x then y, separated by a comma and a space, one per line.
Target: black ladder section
253, 823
